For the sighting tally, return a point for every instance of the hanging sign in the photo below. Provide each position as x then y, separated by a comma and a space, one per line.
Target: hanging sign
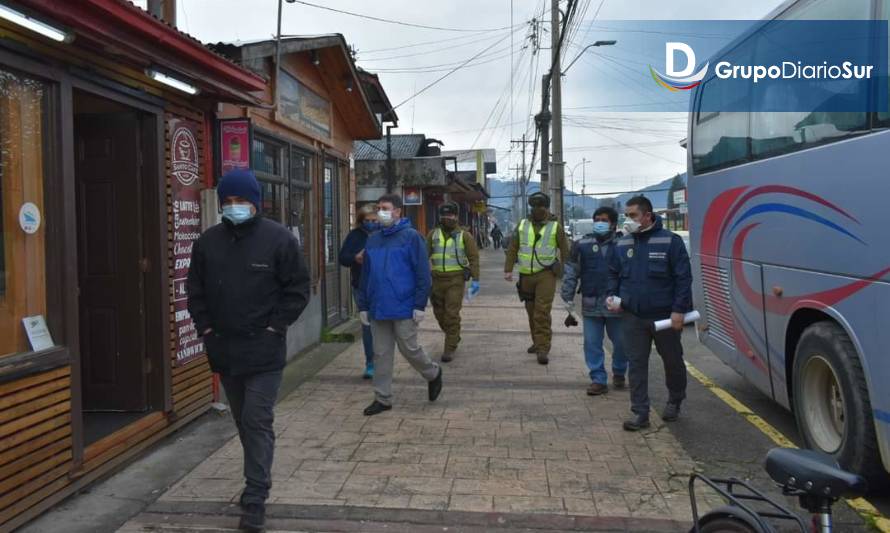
234, 144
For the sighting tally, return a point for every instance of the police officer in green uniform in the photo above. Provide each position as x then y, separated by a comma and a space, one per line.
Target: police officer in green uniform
454, 258
538, 245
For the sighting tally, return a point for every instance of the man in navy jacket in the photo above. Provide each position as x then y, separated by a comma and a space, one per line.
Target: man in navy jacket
393, 292
653, 279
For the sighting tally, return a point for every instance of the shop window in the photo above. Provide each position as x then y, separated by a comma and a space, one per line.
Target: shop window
22, 255
299, 187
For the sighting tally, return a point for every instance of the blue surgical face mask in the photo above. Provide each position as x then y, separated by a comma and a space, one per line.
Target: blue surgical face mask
601, 228
237, 213
370, 226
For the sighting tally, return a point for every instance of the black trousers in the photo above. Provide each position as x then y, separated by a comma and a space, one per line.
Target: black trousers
252, 400
638, 336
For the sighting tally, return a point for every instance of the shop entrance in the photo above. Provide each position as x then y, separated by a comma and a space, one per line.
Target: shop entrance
109, 173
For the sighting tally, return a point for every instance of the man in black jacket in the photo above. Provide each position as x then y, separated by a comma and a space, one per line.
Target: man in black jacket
652, 278
247, 283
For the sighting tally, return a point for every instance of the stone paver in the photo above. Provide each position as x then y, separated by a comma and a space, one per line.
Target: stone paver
507, 435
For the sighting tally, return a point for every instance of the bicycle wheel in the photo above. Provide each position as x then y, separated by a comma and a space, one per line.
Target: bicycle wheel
725, 524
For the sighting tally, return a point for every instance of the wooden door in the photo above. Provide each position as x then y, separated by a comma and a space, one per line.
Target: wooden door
109, 233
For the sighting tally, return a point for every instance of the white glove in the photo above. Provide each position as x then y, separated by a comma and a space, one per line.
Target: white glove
363, 316
418, 316
569, 307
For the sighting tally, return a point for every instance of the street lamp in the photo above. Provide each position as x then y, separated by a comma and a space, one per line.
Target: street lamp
589, 46
583, 165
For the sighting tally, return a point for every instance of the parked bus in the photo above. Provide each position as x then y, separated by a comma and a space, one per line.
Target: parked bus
792, 256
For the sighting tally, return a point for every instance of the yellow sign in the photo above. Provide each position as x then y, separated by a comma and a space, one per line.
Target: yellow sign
480, 207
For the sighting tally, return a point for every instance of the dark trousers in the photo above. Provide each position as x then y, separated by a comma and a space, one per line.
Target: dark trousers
252, 400
638, 336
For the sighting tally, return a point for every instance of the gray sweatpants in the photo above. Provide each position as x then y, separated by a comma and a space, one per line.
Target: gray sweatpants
386, 334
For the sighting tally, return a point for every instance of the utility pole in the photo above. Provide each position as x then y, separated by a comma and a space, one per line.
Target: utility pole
522, 182
557, 164
390, 174
542, 120
517, 210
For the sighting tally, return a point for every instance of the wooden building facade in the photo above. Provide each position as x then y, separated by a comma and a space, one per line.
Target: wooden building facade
106, 131
302, 153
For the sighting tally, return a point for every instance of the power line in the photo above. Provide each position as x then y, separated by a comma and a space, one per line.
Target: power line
428, 43
399, 22
455, 69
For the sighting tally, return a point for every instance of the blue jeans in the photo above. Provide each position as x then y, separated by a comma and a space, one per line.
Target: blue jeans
367, 338
594, 329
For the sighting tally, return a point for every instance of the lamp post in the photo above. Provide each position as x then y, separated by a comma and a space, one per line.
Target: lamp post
583, 165
558, 164
278, 51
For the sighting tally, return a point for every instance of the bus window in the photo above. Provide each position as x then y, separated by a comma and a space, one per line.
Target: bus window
776, 133
884, 5
719, 138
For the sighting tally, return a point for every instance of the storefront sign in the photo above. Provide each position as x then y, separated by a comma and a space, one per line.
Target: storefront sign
412, 196
235, 145
680, 196
186, 197
302, 105
29, 218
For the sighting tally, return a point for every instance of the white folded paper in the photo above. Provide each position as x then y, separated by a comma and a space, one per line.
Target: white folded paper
661, 325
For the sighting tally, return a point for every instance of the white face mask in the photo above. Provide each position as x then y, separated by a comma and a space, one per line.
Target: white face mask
631, 226
385, 218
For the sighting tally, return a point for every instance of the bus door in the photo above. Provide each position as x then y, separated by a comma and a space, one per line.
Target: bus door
752, 347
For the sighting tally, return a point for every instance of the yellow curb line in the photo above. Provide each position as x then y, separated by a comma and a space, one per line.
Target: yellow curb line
862, 506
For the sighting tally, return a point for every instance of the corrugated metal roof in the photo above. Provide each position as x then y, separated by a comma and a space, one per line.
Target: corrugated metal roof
403, 147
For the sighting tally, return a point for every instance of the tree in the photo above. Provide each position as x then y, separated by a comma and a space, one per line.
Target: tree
577, 213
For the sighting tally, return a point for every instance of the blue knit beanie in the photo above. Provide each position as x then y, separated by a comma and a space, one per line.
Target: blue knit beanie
239, 182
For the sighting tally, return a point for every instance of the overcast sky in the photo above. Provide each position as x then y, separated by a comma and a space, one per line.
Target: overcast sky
625, 150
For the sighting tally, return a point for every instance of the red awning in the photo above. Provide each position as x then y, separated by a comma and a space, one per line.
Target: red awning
121, 29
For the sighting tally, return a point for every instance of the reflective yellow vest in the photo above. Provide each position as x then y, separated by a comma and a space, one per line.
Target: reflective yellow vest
536, 255
449, 258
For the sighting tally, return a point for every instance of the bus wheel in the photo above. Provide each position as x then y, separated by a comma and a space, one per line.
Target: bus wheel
831, 402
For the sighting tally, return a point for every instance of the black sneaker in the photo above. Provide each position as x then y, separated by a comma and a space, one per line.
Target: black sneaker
435, 386
543, 358
636, 423
532, 349
376, 408
254, 518
447, 356
671, 412
619, 381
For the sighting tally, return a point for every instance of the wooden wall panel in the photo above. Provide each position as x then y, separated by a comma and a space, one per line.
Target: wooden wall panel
35, 438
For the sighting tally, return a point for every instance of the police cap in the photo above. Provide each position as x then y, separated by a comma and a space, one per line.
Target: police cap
448, 208
539, 199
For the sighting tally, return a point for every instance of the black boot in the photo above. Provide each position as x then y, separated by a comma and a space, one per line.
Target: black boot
254, 518
671, 412
376, 408
435, 386
636, 423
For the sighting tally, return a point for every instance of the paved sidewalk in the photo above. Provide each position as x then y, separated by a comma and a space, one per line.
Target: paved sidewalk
506, 436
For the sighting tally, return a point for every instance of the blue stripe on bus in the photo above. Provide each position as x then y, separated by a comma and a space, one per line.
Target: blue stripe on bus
883, 416
792, 210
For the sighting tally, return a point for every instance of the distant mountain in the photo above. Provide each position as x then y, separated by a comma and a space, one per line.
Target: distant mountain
502, 192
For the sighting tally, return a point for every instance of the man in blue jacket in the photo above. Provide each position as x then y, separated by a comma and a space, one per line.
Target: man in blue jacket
653, 279
393, 292
589, 265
